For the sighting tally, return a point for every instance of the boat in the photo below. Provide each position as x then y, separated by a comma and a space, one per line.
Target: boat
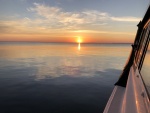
131, 93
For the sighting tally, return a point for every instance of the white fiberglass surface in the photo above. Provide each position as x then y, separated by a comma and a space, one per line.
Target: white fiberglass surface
146, 70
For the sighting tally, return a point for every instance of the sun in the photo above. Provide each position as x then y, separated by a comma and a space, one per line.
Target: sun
79, 40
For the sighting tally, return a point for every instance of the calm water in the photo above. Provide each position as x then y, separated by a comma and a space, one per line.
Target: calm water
58, 78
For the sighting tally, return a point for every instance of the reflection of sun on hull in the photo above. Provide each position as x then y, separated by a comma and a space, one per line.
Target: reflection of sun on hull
132, 91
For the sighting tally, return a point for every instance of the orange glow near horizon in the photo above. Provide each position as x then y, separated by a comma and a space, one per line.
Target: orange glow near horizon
85, 38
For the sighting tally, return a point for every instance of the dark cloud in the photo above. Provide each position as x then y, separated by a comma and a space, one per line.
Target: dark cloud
4, 28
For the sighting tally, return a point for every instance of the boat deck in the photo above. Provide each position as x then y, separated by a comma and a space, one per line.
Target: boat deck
132, 99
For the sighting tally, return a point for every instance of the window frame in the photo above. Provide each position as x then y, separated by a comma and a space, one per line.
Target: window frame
142, 46
141, 51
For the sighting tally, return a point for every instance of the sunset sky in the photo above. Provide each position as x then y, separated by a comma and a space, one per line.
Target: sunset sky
100, 21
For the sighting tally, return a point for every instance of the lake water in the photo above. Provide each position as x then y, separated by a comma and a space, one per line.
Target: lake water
58, 78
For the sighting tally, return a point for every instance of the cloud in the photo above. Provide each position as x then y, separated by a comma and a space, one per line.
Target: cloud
49, 19
4, 28
126, 19
88, 16
59, 16
102, 32
18, 26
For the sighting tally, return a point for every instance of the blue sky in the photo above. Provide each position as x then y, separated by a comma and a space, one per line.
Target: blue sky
52, 20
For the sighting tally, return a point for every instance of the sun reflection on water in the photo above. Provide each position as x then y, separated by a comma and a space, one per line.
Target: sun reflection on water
69, 60
79, 41
79, 47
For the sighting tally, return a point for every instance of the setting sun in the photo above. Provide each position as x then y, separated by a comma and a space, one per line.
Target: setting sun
79, 40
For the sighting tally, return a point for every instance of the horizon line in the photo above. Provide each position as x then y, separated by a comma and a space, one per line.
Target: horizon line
68, 42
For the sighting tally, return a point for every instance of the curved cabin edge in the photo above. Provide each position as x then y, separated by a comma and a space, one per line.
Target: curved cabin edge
132, 99
132, 91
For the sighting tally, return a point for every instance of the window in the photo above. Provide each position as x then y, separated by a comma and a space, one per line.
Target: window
142, 45
145, 71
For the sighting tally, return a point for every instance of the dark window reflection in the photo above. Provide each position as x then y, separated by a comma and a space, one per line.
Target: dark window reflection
146, 70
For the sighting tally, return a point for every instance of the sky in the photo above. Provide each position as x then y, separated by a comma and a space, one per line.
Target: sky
93, 21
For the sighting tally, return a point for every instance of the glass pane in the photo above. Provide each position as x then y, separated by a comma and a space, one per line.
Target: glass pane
142, 45
146, 70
